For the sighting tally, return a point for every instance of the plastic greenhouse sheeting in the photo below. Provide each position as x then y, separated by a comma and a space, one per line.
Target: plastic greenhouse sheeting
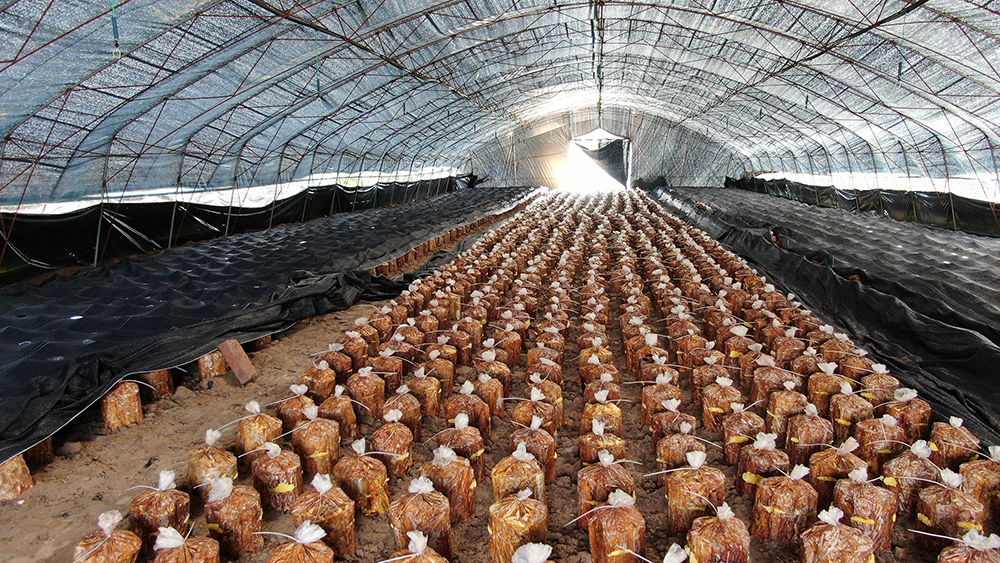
139, 95
937, 209
928, 315
37, 243
69, 341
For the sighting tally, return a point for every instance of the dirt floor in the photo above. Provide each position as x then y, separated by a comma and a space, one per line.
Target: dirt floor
94, 470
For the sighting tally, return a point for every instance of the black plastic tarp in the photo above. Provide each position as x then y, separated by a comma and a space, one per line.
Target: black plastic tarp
67, 342
927, 208
953, 367
35, 244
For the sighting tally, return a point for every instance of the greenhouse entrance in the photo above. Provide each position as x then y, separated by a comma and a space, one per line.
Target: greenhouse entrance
599, 160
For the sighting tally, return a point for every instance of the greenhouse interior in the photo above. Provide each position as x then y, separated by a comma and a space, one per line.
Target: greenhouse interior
518, 281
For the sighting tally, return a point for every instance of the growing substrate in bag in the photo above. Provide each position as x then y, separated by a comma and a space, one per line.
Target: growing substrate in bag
108, 545
467, 442
308, 547
692, 493
422, 509
278, 476
721, 537
209, 461
869, 508
331, 509
392, 443
364, 479
454, 476
517, 472
829, 541
172, 547
596, 482
617, 530
784, 506
516, 520
162, 507
945, 510
253, 432
234, 517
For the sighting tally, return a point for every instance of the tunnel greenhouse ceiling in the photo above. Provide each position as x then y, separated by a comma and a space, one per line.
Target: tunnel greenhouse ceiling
212, 94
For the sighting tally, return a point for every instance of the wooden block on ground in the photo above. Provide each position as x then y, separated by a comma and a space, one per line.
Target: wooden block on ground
238, 361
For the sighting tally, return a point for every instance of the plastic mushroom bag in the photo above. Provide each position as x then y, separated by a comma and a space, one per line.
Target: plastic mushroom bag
974, 548
539, 443
760, 460
596, 482
617, 530
952, 444
340, 408
172, 547
234, 517
317, 441
466, 402
364, 479
454, 476
692, 492
828, 466
605, 410
878, 388
108, 545
307, 547
516, 520
880, 440
253, 431
539, 406
330, 508
663, 389
426, 510
393, 443
717, 400
278, 475
291, 409
518, 471
209, 461
981, 479
467, 442
367, 389
160, 507
672, 450
553, 395
427, 390
945, 510
417, 551
784, 506
721, 537
869, 508
808, 433
738, 429
833, 542
907, 474
320, 380
913, 414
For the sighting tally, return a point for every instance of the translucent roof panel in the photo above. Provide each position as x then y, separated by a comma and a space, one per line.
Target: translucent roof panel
217, 94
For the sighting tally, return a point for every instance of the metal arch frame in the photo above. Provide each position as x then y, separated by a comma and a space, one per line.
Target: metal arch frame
845, 85
986, 133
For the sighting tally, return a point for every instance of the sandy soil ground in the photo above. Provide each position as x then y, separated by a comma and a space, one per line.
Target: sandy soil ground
94, 469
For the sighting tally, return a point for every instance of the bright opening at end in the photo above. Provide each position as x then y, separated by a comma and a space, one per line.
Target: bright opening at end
579, 172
